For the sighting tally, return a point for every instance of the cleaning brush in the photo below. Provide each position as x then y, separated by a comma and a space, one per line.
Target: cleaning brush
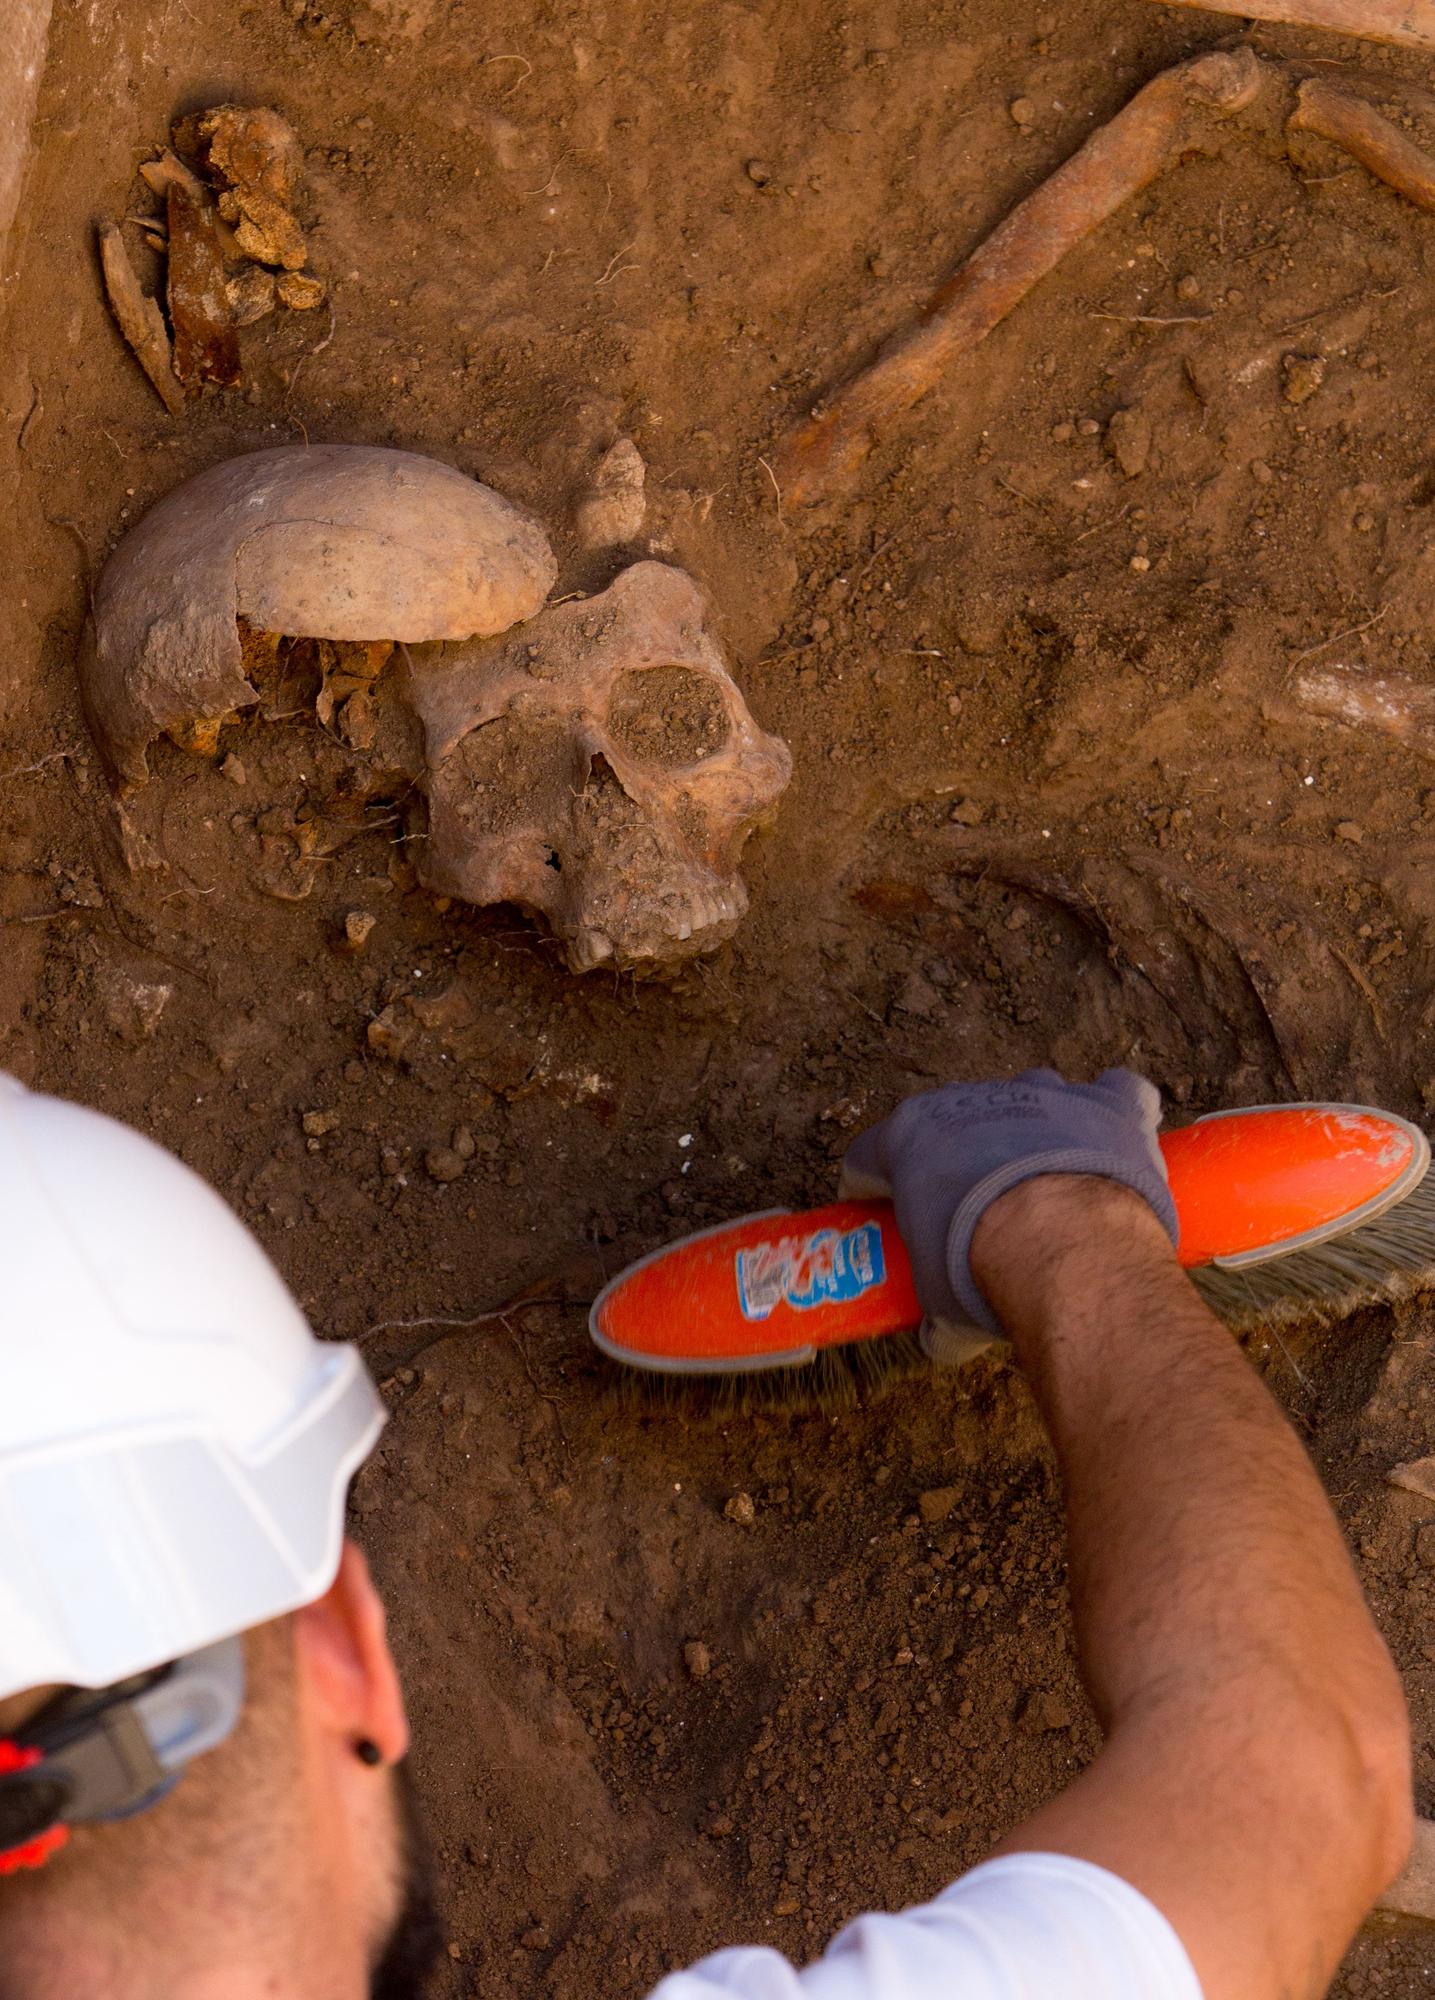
1286, 1212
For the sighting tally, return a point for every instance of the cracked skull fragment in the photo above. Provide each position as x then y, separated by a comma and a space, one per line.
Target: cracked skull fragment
336, 543
594, 762
600, 766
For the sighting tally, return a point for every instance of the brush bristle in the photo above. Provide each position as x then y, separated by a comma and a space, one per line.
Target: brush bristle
1388, 1259
838, 1378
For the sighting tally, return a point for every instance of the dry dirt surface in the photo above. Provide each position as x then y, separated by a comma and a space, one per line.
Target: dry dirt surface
686, 1676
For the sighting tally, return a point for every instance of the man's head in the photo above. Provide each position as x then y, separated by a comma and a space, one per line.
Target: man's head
175, 1450
292, 1848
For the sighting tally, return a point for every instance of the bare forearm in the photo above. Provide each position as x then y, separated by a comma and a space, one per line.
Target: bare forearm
1252, 1782
1201, 1540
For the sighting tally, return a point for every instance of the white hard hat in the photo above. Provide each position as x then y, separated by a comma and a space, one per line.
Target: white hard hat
175, 1445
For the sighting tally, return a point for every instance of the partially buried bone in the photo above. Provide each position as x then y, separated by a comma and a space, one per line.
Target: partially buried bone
1393, 704
601, 768
1410, 23
1170, 117
1359, 129
334, 542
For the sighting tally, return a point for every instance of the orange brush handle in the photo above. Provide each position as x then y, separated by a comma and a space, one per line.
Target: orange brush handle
772, 1289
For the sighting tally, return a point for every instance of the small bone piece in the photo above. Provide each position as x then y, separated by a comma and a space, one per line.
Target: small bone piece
1394, 704
613, 509
206, 343
1409, 23
1163, 121
337, 542
139, 319
250, 146
251, 294
1358, 129
169, 171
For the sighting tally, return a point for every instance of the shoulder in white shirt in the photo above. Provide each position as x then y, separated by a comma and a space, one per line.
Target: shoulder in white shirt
1025, 1927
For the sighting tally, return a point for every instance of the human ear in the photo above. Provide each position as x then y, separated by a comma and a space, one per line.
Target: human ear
344, 1657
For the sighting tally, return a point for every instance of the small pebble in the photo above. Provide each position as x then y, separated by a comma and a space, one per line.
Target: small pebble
232, 770
1063, 433
1364, 523
443, 1163
1261, 472
741, 1510
1351, 830
463, 1142
317, 1124
758, 172
1088, 427
697, 1659
1141, 564
1023, 111
1188, 288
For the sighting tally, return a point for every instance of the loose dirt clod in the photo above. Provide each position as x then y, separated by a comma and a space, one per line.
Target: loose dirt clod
612, 511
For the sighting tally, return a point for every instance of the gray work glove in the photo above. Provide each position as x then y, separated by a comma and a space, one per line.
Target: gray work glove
945, 1156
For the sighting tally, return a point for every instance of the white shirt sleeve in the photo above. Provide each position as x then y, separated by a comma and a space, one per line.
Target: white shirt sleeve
1025, 1927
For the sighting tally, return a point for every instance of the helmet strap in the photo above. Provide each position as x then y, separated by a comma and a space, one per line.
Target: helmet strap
90, 1756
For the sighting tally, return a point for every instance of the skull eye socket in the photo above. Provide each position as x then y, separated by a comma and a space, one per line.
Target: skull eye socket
671, 716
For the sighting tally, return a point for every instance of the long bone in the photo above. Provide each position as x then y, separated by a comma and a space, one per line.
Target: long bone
1358, 129
1407, 23
1169, 117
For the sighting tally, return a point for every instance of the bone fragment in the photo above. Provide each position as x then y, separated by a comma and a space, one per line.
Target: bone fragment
611, 513
206, 344
1358, 129
1410, 23
251, 294
300, 292
1394, 704
329, 541
169, 171
1166, 119
139, 319
1416, 1475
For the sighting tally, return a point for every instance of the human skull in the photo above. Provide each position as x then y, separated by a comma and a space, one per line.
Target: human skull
597, 765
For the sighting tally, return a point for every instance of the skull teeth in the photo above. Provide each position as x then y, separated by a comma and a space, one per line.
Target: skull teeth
588, 949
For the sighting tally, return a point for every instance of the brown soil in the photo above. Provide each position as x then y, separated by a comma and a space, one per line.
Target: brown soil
1053, 802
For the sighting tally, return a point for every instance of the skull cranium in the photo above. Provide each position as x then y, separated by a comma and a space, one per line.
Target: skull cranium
598, 765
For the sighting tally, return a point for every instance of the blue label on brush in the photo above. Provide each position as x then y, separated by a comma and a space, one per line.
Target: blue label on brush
827, 1267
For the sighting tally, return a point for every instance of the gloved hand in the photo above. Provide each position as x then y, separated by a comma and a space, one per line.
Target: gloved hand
945, 1156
